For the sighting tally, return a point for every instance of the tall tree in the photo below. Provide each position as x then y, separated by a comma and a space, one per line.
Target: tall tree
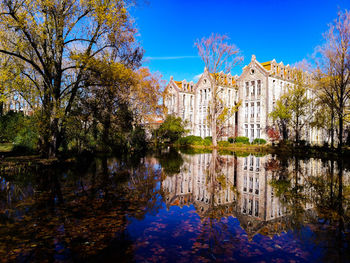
281, 114
54, 42
299, 103
334, 69
218, 55
145, 95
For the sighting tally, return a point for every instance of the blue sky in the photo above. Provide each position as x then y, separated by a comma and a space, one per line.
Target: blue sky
282, 29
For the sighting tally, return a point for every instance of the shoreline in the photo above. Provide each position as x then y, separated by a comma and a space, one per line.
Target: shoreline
10, 158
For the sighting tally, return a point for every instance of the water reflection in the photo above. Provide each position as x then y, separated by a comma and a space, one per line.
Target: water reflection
204, 207
269, 196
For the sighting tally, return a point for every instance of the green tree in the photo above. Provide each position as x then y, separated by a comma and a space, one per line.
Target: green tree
53, 43
281, 114
294, 109
300, 106
171, 129
218, 55
333, 70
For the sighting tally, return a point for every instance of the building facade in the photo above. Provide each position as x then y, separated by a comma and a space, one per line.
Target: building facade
257, 89
191, 101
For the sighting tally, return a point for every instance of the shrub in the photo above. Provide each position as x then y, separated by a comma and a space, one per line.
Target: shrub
171, 129
27, 139
190, 140
223, 144
259, 141
207, 141
208, 138
194, 140
242, 139
10, 125
138, 139
231, 139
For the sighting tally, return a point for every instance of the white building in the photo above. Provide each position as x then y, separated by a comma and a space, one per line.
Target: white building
191, 101
258, 88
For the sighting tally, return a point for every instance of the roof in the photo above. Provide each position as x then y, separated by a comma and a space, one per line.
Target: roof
226, 79
266, 65
178, 83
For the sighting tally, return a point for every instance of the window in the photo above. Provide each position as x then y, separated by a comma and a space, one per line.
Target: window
245, 163
273, 88
245, 205
259, 88
251, 184
256, 210
247, 89
229, 97
246, 130
258, 131
250, 207
246, 110
253, 88
257, 166
251, 163
252, 110
257, 185
258, 109
252, 131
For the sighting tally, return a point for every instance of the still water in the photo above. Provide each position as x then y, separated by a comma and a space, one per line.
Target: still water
177, 207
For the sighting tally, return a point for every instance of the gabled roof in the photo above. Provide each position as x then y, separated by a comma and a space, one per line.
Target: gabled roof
178, 83
228, 80
266, 65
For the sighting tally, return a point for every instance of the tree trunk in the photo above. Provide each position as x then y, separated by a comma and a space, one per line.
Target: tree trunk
284, 131
340, 144
213, 115
332, 129
297, 131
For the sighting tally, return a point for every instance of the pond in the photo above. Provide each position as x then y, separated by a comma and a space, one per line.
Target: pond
177, 206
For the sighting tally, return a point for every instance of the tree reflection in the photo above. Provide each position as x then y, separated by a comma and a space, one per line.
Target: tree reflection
61, 213
268, 195
321, 192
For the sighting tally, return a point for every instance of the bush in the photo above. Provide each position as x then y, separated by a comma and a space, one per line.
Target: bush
223, 144
208, 138
10, 125
207, 141
27, 139
242, 139
231, 139
138, 139
194, 140
259, 141
190, 140
171, 129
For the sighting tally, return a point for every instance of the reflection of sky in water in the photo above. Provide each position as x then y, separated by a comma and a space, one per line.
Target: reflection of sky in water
180, 235
194, 210
254, 225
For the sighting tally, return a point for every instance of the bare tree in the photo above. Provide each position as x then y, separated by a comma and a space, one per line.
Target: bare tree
334, 69
218, 55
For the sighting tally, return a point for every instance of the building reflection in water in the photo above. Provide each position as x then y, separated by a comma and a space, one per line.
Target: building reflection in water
243, 187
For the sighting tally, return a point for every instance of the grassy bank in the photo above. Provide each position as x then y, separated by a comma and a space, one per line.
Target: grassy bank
239, 148
6, 147
281, 150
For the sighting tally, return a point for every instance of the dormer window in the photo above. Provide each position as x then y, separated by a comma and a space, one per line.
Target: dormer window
252, 71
